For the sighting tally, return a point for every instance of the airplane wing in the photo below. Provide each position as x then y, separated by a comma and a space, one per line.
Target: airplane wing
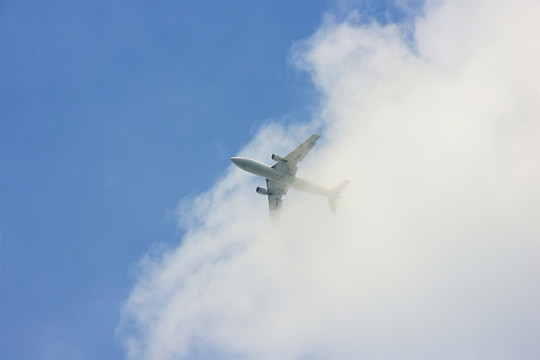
291, 165
275, 192
301, 151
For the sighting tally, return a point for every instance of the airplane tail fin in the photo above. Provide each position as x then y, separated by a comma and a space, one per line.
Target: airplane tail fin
334, 194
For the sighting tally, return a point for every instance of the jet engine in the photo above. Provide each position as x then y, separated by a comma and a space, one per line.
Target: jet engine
261, 191
276, 157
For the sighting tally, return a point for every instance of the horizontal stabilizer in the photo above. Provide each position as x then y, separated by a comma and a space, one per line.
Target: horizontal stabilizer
334, 194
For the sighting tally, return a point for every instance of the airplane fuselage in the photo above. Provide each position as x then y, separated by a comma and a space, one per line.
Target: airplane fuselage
266, 171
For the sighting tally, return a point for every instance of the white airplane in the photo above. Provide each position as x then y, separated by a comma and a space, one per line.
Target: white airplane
281, 176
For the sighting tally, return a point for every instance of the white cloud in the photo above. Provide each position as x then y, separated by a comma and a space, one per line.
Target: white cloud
435, 249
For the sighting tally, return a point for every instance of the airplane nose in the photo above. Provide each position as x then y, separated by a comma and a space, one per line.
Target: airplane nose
236, 161
240, 162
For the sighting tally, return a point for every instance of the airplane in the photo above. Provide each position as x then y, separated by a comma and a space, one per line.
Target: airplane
282, 176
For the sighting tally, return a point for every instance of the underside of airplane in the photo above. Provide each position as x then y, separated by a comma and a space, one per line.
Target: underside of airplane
282, 176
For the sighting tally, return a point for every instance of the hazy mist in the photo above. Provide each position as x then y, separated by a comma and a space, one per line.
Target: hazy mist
434, 251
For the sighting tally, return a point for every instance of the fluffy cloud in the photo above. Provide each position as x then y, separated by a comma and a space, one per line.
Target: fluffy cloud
435, 249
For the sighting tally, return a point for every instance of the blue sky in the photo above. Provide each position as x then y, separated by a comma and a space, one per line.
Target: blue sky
111, 112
